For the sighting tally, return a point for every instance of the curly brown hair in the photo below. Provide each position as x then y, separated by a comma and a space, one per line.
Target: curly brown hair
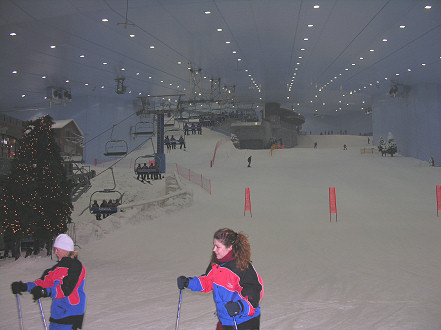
239, 242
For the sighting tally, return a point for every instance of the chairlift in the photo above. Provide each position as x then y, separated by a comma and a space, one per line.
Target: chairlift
146, 159
176, 131
143, 128
105, 195
115, 147
170, 122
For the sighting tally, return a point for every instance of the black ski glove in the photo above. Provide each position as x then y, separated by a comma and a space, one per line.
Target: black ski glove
19, 287
183, 282
39, 292
234, 308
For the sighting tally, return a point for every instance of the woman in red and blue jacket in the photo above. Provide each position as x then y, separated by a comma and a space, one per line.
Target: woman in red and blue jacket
64, 283
237, 287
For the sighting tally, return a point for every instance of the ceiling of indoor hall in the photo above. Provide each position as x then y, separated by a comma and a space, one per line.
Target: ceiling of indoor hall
324, 56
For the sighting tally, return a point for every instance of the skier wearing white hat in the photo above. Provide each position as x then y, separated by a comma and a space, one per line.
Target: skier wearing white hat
64, 283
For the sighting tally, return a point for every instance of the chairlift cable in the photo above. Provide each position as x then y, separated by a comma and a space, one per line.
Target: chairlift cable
109, 129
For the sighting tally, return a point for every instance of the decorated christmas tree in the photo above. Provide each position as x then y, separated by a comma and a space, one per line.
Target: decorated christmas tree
36, 201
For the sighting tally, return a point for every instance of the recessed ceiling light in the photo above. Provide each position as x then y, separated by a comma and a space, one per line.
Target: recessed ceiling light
151, 47
43, 77
234, 52
316, 6
361, 58
397, 74
23, 95
102, 86
402, 26
53, 46
14, 72
13, 34
427, 7
371, 50
239, 59
179, 62
228, 42
104, 63
86, 84
150, 77
132, 36
310, 25
82, 56
409, 70
219, 30
423, 64
306, 39
137, 73
207, 12
67, 81
384, 39
122, 69
104, 19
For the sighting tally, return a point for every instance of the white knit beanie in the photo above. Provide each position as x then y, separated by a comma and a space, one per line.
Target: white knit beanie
64, 242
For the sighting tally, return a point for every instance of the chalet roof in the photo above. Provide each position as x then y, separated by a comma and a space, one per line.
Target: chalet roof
62, 123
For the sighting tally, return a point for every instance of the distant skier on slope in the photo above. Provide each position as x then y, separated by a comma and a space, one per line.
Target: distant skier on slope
237, 288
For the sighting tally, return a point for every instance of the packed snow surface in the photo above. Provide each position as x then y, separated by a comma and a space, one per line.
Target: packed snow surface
376, 267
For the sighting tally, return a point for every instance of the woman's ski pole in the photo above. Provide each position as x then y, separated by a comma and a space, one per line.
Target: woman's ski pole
19, 312
42, 314
235, 324
179, 309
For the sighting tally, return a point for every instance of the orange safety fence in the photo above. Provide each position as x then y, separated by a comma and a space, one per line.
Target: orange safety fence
194, 177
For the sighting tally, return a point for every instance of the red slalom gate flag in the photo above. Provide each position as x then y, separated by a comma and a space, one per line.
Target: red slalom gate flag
247, 202
438, 199
332, 203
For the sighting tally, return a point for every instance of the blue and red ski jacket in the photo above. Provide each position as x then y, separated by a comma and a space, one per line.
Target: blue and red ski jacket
228, 283
64, 283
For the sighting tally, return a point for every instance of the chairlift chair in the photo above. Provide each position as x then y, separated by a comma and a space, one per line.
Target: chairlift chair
105, 194
115, 147
170, 122
143, 128
146, 159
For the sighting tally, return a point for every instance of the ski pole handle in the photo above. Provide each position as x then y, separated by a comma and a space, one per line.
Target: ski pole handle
19, 312
42, 314
179, 310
